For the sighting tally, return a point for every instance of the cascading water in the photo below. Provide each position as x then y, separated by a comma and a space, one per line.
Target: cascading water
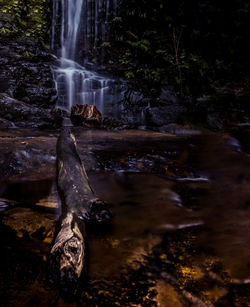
83, 24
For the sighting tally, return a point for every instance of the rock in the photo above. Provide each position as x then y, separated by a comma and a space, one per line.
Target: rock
151, 113
85, 115
179, 129
163, 115
134, 98
26, 222
6, 204
214, 121
6, 124
27, 116
26, 155
168, 95
26, 74
110, 123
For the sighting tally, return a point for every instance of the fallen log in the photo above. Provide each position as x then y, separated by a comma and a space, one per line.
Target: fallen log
67, 258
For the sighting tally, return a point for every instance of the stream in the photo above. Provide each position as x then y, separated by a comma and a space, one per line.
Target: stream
180, 232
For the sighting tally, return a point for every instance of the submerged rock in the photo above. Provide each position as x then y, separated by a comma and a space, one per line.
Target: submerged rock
26, 222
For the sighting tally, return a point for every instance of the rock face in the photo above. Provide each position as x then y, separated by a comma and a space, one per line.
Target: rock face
25, 74
27, 116
85, 114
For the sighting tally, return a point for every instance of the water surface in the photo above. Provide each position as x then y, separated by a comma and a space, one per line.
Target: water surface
180, 229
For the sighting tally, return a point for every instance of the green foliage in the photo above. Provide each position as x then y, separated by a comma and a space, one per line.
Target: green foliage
5, 30
25, 18
28, 54
212, 37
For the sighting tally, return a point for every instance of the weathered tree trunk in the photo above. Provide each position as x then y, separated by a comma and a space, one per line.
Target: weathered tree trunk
67, 257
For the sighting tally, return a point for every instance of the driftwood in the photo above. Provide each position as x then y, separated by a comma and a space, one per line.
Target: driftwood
67, 258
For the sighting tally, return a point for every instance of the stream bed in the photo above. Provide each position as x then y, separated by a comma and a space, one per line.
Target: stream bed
180, 234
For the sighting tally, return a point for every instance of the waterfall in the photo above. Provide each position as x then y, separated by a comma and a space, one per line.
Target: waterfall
82, 26
71, 16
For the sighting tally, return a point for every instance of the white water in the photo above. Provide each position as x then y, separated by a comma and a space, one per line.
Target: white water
71, 16
77, 85
83, 25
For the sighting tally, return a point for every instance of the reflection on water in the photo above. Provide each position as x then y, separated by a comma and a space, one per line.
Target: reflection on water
39, 194
142, 205
181, 235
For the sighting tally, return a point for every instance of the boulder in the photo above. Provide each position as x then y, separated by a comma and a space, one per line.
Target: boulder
85, 114
27, 116
26, 74
163, 115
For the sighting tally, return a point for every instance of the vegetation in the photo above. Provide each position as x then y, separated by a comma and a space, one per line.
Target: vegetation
195, 46
25, 19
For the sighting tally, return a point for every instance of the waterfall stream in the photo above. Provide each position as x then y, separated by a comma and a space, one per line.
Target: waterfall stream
79, 26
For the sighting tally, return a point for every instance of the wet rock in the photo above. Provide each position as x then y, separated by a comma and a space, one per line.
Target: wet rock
241, 133
214, 121
10, 164
6, 204
24, 115
110, 123
163, 115
133, 97
151, 113
168, 95
179, 129
26, 74
5, 124
85, 115
27, 158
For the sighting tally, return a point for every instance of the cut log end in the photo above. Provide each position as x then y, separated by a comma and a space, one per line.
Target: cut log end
67, 256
